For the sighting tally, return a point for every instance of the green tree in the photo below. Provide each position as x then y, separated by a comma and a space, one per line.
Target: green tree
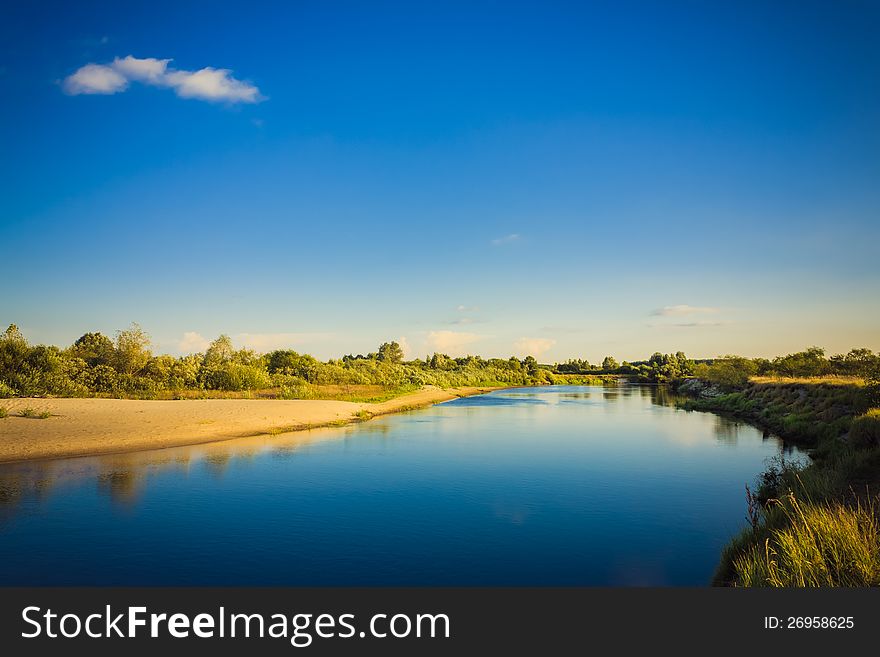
390, 352
219, 351
132, 350
609, 363
94, 348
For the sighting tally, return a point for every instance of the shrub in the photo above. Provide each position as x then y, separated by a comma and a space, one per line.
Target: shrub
864, 432
34, 414
233, 376
6, 390
3, 412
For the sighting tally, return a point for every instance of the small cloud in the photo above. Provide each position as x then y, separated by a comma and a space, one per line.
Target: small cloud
404, 346
700, 323
682, 310
148, 70
95, 79
192, 342
258, 122
451, 342
467, 309
534, 346
462, 321
507, 239
210, 84
693, 324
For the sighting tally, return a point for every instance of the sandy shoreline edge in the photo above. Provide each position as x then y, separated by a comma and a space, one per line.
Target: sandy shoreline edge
90, 427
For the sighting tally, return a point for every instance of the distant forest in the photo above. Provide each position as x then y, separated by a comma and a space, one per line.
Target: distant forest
124, 366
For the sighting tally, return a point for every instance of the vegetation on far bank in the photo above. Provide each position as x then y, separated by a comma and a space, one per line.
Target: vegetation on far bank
98, 366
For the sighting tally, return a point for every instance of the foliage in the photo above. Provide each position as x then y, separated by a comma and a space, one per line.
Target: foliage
728, 371
390, 352
132, 350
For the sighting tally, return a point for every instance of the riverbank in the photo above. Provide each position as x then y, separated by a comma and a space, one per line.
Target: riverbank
813, 525
85, 427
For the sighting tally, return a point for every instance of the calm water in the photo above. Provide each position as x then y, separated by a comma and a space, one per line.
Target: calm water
535, 486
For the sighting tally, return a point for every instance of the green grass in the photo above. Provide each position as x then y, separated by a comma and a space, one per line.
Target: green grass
3, 412
34, 414
812, 545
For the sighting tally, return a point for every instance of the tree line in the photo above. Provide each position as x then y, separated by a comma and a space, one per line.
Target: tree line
124, 365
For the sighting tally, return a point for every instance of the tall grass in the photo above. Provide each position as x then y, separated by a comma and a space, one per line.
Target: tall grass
818, 545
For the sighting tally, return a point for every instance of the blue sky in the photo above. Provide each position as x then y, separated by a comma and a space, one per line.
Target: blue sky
562, 179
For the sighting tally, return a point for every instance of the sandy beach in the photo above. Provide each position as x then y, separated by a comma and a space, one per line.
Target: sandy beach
81, 427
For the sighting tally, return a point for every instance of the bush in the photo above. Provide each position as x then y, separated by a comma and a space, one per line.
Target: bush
3, 412
233, 376
729, 371
864, 432
6, 390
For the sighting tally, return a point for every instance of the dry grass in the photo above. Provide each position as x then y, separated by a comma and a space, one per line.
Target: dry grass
834, 379
352, 393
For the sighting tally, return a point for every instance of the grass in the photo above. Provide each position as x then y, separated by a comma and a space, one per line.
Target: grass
806, 413
865, 430
831, 379
34, 414
3, 412
814, 545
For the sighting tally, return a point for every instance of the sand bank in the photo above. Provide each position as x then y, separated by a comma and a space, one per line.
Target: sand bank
80, 427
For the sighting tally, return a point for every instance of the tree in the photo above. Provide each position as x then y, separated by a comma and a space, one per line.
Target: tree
220, 351
132, 350
94, 348
609, 363
530, 365
390, 352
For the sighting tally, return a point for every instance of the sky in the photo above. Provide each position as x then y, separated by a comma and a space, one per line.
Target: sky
567, 180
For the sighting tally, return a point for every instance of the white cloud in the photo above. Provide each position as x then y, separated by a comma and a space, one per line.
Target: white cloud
95, 79
534, 346
451, 342
192, 342
211, 84
682, 310
149, 69
507, 239
404, 345
467, 309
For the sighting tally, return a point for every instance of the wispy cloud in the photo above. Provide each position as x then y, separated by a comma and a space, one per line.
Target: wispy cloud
210, 84
467, 309
451, 342
507, 239
534, 346
700, 323
682, 310
462, 321
192, 342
